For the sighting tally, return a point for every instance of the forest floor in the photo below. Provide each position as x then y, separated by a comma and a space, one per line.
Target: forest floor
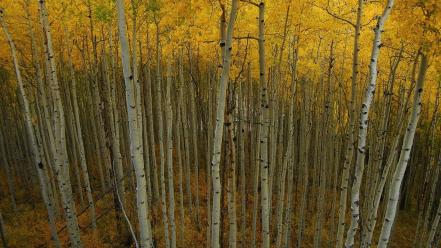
29, 227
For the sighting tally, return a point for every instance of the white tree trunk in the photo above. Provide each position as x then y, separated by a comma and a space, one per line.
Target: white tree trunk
218, 132
363, 125
36, 156
394, 192
350, 135
61, 160
135, 133
263, 139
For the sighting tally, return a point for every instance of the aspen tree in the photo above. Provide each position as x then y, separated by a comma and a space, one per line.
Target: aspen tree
160, 132
134, 131
61, 161
169, 124
241, 155
231, 169
218, 132
194, 128
115, 125
325, 148
113, 121
380, 180
305, 140
208, 152
289, 150
431, 141
80, 141
350, 134
148, 88
103, 154
435, 223
394, 191
256, 166
363, 125
178, 150
263, 139
186, 142
50, 143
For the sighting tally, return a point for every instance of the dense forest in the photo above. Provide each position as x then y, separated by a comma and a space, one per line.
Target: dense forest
220, 123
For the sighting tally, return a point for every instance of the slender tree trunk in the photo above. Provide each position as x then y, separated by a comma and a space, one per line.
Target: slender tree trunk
40, 167
394, 191
169, 127
263, 139
135, 133
218, 132
435, 223
364, 114
350, 135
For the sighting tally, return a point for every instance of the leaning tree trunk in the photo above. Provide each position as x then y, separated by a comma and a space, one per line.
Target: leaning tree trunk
363, 126
61, 159
40, 167
394, 191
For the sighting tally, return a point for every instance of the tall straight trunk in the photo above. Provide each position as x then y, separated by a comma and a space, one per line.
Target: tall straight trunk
305, 140
372, 217
287, 225
79, 138
50, 144
113, 119
231, 170
195, 129
394, 191
169, 127
151, 129
135, 132
288, 153
326, 148
349, 152
218, 132
179, 145
241, 158
61, 160
263, 139
378, 160
363, 125
255, 144
161, 138
431, 160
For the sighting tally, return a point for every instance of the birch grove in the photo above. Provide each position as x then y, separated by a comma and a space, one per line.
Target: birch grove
225, 123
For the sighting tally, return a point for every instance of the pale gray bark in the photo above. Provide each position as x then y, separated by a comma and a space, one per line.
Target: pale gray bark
218, 132
135, 132
394, 191
363, 125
